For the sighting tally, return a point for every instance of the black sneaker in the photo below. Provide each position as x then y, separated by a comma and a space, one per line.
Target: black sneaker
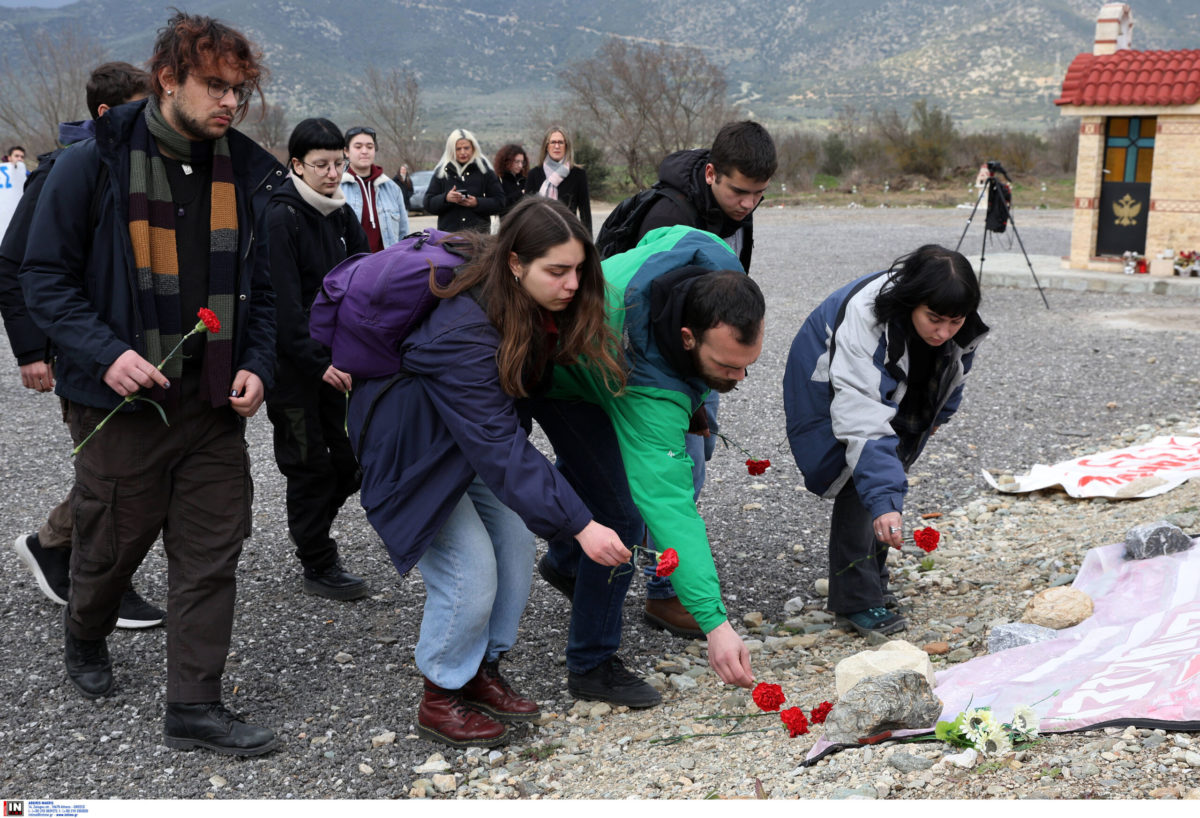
88, 665
136, 612
334, 582
211, 726
611, 682
560, 582
873, 620
51, 567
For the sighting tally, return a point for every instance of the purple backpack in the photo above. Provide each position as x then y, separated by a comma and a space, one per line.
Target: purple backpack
368, 304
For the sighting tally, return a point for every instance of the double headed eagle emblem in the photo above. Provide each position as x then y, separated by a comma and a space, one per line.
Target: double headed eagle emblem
1126, 210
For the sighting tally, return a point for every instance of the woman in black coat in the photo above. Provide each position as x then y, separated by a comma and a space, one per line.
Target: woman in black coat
511, 165
464, 192
310, 229
558, 177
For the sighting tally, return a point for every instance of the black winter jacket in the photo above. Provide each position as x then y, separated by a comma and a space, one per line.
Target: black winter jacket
454, 217
80, 279
305, 245
573, 192
684, 171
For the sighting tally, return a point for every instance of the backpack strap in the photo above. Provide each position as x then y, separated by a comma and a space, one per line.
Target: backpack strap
678, 197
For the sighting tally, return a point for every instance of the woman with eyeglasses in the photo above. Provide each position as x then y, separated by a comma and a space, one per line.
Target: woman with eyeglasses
310, 228
558, 177
464, 192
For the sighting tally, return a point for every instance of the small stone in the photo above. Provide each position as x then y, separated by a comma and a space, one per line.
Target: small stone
754, 619
895, 655
753, 645
436, 763
687, 763
494, 758
1018, 634
735, 703
909, 763
821, 586
794, 606
683, 682
341, 657
218, 781
863, 793
601, 709
365, 769
1155, 539
445, 783
936, 648
1192, 758
1058, 608
383, 739
752, 507
961, 655
966, 759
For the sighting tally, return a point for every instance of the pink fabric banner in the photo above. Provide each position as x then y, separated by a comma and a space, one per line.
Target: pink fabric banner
1136, 660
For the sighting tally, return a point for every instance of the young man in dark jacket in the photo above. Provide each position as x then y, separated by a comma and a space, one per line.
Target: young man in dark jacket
47, 552
182, 199
722, 186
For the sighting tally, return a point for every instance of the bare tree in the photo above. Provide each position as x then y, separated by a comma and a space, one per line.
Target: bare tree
45, 82
269, 128
390, 102
644, 102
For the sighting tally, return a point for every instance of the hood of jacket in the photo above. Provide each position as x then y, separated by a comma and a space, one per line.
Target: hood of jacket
654, 279
71, 132
684, 171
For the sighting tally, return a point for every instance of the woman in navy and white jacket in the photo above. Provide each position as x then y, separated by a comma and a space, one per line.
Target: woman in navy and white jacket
871, 375
452, 483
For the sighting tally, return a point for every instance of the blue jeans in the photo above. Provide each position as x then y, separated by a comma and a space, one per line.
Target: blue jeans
477, 574
590, 459
700, 449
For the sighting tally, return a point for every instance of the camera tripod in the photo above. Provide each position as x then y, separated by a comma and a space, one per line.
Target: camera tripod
991, 188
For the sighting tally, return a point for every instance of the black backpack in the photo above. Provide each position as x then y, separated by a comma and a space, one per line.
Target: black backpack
620, 230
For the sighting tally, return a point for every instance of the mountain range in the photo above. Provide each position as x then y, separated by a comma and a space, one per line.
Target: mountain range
484, 65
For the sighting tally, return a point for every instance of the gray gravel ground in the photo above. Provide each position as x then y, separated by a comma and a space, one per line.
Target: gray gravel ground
331, 676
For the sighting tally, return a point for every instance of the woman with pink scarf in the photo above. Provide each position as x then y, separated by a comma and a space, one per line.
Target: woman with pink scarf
558, 177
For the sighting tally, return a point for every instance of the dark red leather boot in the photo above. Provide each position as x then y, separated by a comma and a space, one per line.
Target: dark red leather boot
444, 717
489, 692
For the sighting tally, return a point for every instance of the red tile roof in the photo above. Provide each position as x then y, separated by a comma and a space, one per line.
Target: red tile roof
1133, 78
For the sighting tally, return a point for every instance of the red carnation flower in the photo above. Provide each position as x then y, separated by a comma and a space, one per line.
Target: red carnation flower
668, 561
768, 697
209, 319
820, 712
927, 538
793, 718
757, 466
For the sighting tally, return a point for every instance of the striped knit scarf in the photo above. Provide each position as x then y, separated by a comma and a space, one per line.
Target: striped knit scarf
152, 233
556, 172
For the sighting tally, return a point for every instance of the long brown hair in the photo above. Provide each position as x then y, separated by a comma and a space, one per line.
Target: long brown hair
530, 229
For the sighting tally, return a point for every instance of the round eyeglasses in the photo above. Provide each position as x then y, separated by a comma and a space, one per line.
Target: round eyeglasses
217, 89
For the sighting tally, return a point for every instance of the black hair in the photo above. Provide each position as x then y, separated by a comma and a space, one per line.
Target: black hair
113, 84
725, 297
745, 147
941, 279
20, 148
314, 135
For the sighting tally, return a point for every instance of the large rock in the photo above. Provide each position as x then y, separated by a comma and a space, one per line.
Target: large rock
901, 700
1058, 608
1155, 539
1018, 634
893, 655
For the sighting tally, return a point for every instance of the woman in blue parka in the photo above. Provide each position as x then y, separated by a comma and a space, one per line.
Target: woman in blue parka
450, 479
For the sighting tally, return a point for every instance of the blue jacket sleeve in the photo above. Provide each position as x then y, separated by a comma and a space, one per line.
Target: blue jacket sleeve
54, 270
27, 341
459, 375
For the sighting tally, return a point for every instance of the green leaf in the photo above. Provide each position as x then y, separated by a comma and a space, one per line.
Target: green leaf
161, 413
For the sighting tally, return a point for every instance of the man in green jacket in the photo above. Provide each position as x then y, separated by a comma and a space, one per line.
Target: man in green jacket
690, 321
